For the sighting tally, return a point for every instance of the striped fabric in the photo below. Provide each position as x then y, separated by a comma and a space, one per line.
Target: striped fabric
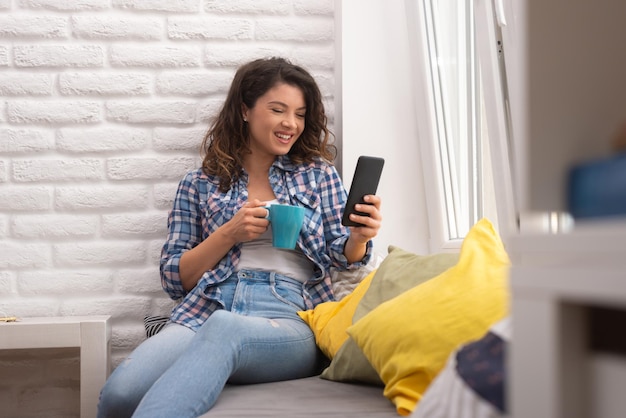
154, 324
471, 385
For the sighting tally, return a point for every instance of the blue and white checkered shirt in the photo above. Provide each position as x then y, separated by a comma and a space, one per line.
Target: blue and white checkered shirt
200, 208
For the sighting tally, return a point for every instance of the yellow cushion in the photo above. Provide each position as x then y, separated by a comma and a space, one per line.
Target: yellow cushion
409, 338
329, 320
400, 271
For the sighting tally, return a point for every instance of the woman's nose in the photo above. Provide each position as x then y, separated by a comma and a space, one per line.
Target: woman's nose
289, 121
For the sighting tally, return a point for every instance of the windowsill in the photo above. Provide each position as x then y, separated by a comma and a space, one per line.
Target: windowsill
452, 246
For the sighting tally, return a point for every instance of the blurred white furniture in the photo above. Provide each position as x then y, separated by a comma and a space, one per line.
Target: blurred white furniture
556, 281
571, 100
92, 334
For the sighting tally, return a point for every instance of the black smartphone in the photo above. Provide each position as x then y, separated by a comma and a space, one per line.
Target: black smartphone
365, 181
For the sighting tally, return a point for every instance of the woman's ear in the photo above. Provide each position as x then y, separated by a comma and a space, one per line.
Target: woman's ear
244, 113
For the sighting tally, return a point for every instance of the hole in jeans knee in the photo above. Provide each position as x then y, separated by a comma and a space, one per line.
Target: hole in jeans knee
274, 323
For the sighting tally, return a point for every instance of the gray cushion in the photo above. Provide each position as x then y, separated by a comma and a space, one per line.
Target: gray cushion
303, 398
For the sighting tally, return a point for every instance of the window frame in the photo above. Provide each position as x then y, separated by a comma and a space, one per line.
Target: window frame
425, 106
492, 81
491, 51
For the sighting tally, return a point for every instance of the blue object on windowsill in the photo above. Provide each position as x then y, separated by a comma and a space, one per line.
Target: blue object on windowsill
598, 188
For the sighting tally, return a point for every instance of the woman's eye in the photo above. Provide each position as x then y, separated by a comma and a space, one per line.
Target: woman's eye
277, 110
301, 116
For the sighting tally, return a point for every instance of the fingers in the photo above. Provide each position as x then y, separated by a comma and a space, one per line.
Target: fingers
255, 203
371, 207
255, 208
249, 222
367, 222
373, 200
259, 216
372, 222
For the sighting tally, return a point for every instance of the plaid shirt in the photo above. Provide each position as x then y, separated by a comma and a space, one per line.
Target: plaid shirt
200, 208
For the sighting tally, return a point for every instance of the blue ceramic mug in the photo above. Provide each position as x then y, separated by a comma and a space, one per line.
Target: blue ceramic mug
286, 223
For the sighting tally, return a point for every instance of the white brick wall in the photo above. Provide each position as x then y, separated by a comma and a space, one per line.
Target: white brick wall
104, 104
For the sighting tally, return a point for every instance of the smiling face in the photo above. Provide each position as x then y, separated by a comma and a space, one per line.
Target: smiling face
276, 121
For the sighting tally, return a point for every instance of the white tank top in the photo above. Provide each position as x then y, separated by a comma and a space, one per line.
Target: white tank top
259, 254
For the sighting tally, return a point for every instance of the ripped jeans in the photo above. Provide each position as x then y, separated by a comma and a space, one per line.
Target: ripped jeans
180, 373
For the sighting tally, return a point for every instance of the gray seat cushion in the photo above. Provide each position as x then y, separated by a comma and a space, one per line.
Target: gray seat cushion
302, 398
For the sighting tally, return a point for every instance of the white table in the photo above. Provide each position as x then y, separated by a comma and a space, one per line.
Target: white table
555, 280
92, 334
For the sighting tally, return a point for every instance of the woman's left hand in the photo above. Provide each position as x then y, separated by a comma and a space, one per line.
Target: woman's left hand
356, 245
371, 223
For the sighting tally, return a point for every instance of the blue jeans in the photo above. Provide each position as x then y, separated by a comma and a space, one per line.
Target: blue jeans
180, 373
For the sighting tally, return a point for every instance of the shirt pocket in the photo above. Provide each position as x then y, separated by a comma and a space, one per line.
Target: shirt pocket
215, 213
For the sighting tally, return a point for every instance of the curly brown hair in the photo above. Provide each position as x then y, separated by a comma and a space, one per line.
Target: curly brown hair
227, 140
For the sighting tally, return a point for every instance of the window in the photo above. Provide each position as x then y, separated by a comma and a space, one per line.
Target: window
453, 117
450, 41
466, 54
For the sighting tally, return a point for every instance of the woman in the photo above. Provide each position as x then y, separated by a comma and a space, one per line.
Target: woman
237, 321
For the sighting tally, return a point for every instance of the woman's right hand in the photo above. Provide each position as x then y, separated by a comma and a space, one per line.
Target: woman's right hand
249, 222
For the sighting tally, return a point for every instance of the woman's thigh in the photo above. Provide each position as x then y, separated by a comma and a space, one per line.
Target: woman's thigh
274, 342
251, 349
285, 350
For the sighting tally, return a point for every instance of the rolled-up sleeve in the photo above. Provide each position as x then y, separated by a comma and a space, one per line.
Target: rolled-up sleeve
333, 195
184, 232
